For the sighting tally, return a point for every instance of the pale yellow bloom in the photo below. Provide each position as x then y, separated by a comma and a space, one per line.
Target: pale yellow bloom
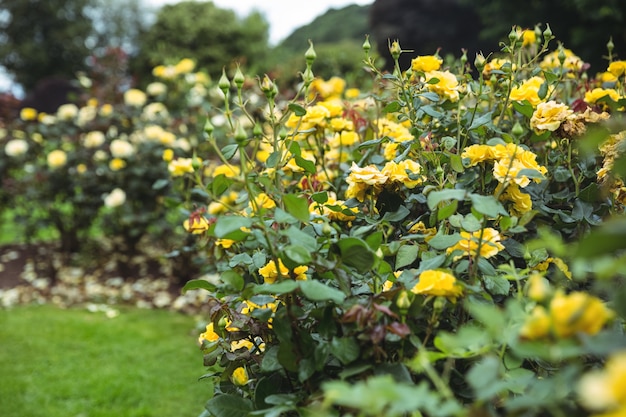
16, 147
135, 98
488, 239
56, 159
121, 149
180, 166
548, 116
115, 198
447, 87
67, 112
93, 139
437, 283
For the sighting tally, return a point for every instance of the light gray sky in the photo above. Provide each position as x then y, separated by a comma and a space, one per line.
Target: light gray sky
284, 16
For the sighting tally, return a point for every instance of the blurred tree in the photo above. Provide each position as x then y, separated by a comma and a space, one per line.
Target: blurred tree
212, 36
43, 38
117, 24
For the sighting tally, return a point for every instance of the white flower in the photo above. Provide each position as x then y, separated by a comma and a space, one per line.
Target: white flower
135, 98
156, 89
94, 139
115, 198
16, 147
67, 112
121, 149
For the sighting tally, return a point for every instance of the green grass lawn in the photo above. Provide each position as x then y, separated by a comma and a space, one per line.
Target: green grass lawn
73, 363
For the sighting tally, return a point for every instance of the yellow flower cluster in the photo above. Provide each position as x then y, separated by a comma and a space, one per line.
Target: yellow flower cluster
370, 180
270, 273
571, 63
568, 315
484, 243
611, 149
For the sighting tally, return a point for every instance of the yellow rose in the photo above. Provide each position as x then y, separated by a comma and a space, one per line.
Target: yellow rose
184, 66
447, 87
135, 98
94, 139
578, 312
28, 114
57, 159
209, 335
121, 149
437, 283
168, 155
529, 37
16, 147
571, 63
240, 376
196, 224
522, 202
426, 63
537, 326
478, 153
528, 90
488, 238
180, 166
596, 94
115, 198
116, 164
605, 389
403, 171
549, 116
617, 68
269, 272
67, 112
495, 64
537, 287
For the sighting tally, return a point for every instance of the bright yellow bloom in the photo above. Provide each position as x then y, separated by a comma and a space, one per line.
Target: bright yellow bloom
537, 326
216, 207
537, 287
578, 312
116, 164
28, 114
121, 149
596, 94
496, 64
447, 87
529, 37
572, 62
185, 66
488, 239
81, 168
405, 172
605, 389
168, 155
57, 159
362, 180
196, 225
135, 98
617, 68
269, 272
522, 202
225, 243
437, 283
262, 201
209, 335
426, 63
549, 116
528, 90
337, 212
180, 166
325, 89
478, 153
229, 171
240, 376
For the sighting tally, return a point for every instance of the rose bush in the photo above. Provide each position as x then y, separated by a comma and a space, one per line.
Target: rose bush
448, 243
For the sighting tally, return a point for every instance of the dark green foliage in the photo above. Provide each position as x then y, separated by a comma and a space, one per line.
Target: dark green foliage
43, 38
201, 31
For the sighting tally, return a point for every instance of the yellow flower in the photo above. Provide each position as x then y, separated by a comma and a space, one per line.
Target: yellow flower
537, 326
488, 238
438, 283
93, 139
156, 89
121, 149
529, 37
28, 114
578, 312
617, 68
209, 335
116, 164
606, 388
333, 209
522, 202
240, 376
549, 116
225, 243
180, 166
495, 64
426, 63
478, 153
57, 159
352, 93
67, 112
269, 272
596, 94
537, 287
405, 172
571, 63
528, 90
168, 155
196, 224
185, 66
447, 87
325, 89
262, 201
135, 98
361, 180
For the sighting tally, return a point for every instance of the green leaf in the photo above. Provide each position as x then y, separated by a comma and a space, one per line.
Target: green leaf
444, 241
228, 405
233, 279
160, 184
305, 164
436, 197
229, 227
297, 206
297, 109
524, 107
273, 159
199, 284
487, 205
392, 107
346, 349
282, 287
406, 255
484, 377
316, 291
481, 121
497, 285
456, 162
321, 197
296, 256
355, 252
229, 150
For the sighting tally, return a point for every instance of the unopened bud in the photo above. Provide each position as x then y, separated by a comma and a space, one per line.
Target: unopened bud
395, 50
513, 35
517, 130
561, 55
308, 76
208, 127
241, 137
268, 87
547, 34
366, 45
610, 45
224, 83
196, 162
310, 54
464, 56
403, 302
479, 61
257, 131
239, 78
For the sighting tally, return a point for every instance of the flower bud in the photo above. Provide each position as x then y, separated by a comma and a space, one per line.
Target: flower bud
239, 78
307, 76
241, 137
464, 56
310, 54
479, 62
196, 162
257, 131
208, 127
517, 130
224, 83
610, 45
403, 302
513, 35
366, 45
268, 87
561, 55
547, 34
395, 50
